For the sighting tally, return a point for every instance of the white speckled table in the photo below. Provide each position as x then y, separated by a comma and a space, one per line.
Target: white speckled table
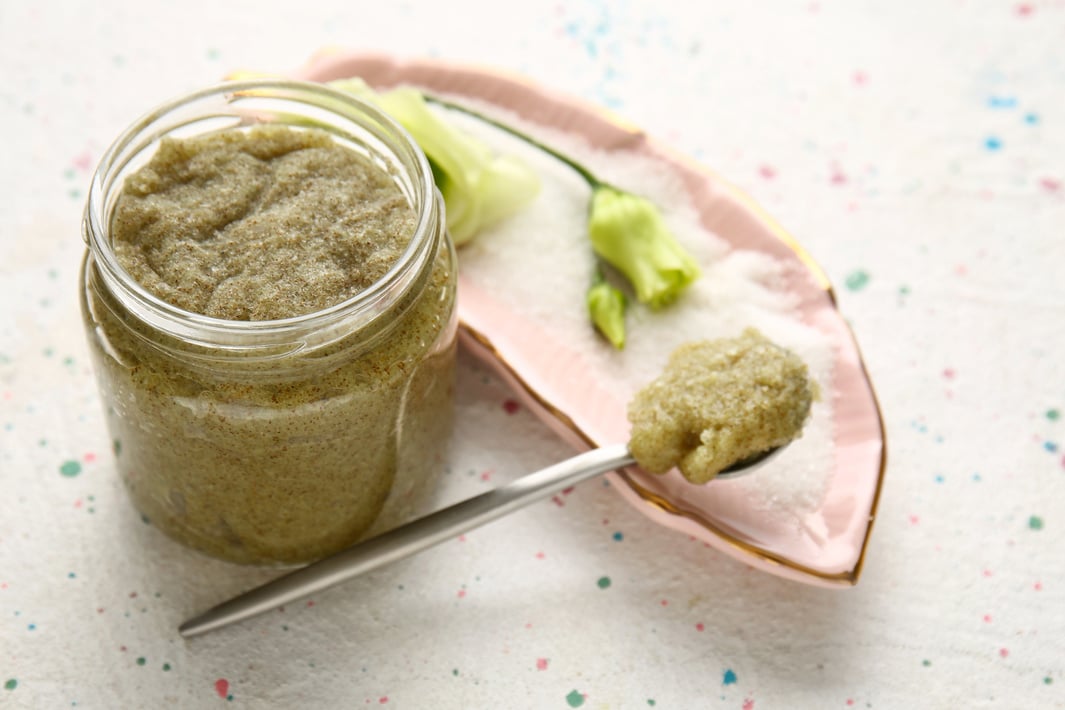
917, 150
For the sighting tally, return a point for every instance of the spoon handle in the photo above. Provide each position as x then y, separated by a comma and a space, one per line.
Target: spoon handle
411, 538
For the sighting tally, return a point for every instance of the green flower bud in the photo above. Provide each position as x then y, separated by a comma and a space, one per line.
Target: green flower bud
629, 233
606, 306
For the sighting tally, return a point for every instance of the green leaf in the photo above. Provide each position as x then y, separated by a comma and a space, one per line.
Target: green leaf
480, 187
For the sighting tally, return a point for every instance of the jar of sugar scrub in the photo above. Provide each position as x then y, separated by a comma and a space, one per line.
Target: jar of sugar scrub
269, 298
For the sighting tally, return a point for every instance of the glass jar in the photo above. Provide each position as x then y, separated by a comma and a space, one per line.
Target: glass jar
276, 441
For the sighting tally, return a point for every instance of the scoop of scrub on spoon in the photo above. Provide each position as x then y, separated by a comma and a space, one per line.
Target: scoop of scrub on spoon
718, 402
654, 419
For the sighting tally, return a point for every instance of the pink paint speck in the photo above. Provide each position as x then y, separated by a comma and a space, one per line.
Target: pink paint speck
949, 373
221, 686
1024, 10
861, 78
838, 178
510, 406
383, 700
987, 618
1050, 184
310, 603
850, 701
664, 602
78, 503
1038, 586
540, 555
83, 161
748, 704
700, 626
767, 171
541, 664
89, 457
462, 594
1004, 652
914, 519
487, 475
988, 573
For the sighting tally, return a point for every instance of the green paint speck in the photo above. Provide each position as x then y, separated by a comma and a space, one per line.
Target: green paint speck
1053, 415
603, 582
213, 54
651, 702
1048, 680
857, 280
926, 663
454, 671
11, 684
141, 661
166, 666
70, 468
1035, 522
575, 699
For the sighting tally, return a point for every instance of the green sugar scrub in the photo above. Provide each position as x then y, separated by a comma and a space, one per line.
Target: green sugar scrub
719, 402
262, 224
271, 315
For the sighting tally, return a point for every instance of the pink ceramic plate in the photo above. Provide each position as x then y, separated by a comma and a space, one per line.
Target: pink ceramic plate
829, 548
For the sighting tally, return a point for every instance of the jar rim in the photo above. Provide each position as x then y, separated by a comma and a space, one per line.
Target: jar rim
210, 330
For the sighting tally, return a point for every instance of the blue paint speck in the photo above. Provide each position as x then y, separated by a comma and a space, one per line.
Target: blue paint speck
1050, 446
993, 143
939, 478
1002, 102
1031, 119
730, 677
618, 536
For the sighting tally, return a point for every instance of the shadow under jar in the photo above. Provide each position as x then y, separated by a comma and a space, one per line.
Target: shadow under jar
286, 439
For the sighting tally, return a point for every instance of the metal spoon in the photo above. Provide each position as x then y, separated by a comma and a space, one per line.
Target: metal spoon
425, 532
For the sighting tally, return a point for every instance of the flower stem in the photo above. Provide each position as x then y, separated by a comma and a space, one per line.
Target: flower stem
588, 176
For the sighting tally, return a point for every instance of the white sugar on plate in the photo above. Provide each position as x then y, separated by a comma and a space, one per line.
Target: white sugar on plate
544, 256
